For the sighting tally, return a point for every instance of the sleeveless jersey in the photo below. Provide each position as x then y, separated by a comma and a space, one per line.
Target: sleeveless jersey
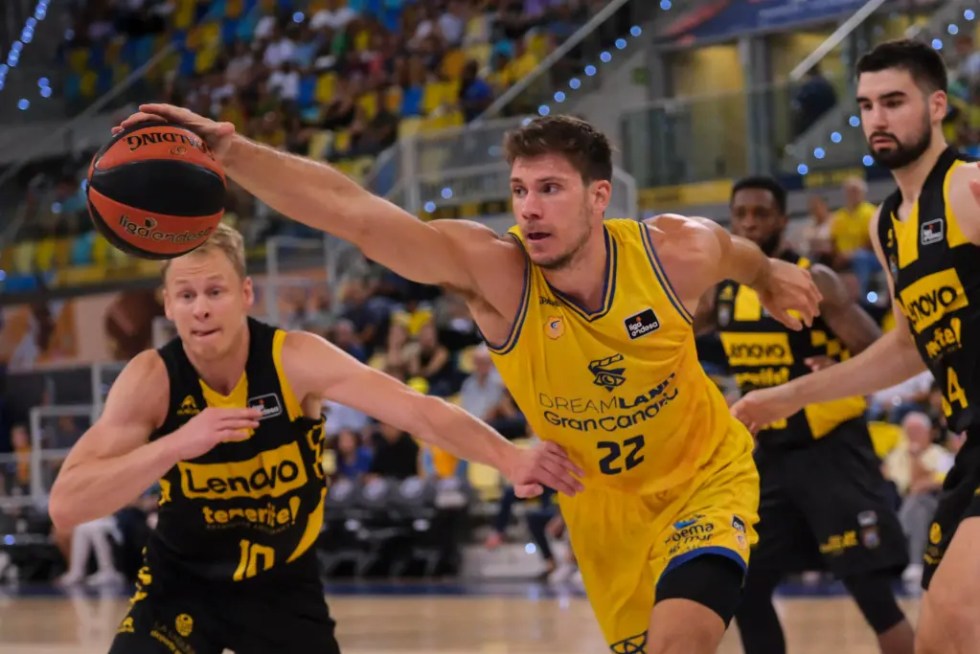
761, 352
620, 388
245, 509
936, 271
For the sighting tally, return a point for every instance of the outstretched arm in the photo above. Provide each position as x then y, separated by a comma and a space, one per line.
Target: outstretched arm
316, 367
440, 252
855, 328
698, 253
890, 360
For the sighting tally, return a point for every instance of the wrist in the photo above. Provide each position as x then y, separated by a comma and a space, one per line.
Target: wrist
172, 447
763, 275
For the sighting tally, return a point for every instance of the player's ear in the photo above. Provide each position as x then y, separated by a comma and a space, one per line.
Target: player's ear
601, 191
938, 105
166, 305
249, 290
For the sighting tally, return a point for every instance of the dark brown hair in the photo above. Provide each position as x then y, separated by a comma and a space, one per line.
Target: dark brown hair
585, 147
920, 59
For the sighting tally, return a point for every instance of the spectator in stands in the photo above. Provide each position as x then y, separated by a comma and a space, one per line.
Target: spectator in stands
849, 230
893, 404
431, 362
342, 335
817, 240
475, 94
369, 317
89, 537
396, 454
917, 466
482, 391
354, 459
966, 61
815, 97
20, 473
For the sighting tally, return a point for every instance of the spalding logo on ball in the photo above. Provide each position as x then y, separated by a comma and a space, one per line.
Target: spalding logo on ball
156, 191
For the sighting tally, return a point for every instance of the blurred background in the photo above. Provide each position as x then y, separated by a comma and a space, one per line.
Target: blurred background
412, 98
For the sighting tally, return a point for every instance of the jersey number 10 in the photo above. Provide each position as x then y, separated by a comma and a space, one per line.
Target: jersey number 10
252, 556
619, 457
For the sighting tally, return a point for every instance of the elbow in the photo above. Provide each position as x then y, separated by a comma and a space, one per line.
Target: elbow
63, 515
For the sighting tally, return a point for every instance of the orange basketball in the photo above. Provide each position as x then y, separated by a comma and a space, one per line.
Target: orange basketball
156, 191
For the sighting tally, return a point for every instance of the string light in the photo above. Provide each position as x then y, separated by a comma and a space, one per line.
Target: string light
26, 36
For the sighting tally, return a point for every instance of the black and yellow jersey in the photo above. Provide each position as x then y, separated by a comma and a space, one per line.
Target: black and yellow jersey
762, 352
936, 271
245, 509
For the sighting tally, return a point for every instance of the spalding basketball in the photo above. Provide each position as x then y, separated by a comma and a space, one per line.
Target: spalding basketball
156, 191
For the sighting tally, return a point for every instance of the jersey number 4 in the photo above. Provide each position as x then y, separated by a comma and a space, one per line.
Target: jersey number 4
621, 456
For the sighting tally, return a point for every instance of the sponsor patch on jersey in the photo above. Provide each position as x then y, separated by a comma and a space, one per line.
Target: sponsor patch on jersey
930, 299
932, 231
757, 348
642, 323
272, 473
268, 404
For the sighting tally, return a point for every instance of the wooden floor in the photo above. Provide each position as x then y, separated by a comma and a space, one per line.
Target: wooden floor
520, 623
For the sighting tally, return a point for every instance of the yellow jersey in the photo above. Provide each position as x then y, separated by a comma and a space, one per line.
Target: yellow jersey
620, 388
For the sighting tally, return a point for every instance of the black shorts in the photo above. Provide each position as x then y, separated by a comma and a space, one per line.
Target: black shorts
957, 502
826, 506
171, 616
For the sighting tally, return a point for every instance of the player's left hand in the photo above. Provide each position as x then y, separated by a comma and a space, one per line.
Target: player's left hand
545, 464
764, 407
790, 288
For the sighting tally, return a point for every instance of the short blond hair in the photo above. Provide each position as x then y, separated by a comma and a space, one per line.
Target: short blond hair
225, 238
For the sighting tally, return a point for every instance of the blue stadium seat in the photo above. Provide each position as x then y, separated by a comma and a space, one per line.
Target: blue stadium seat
229, 30
73, 86
307, 91
412, 102
81, 249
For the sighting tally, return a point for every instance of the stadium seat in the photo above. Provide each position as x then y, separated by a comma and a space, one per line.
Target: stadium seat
325, 85
23, 259
486, 481
453, 63
81, 249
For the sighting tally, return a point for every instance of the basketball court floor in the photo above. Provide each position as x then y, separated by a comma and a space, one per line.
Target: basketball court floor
459, 618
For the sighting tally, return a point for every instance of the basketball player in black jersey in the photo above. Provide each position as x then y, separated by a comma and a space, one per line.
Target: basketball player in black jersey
227, 417
927, 237
824, 502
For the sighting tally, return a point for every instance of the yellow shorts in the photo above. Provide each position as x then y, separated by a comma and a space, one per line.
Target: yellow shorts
624, 543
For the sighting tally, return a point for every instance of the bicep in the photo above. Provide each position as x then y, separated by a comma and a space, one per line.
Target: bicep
134, 408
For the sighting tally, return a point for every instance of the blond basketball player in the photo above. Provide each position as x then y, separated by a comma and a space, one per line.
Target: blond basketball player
227, 416
589, 322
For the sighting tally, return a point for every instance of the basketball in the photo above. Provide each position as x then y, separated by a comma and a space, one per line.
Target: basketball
156, 191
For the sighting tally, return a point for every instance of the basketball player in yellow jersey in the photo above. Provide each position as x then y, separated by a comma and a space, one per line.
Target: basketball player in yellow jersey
927, 237
590, 323
227, 417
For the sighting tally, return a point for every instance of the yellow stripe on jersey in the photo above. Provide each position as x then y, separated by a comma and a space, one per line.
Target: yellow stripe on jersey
293, 407
954, 233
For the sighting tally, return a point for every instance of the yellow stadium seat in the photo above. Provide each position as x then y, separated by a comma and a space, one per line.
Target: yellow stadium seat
325, 85
233, 8
100, 250
319, 143
476, 28
431, 97
78, 59
409, 126
7, 258
341, 141
184, 15
87, 84
485, 480
885, 436
362, 40
268, 6
44, 253
539, 44
361, 167
113, 50
369, 104
453, 63
204, 61
62, 252
479, 52
24, 257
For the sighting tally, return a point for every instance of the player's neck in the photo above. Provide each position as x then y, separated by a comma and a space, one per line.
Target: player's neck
912, 178
223, 374
584, 278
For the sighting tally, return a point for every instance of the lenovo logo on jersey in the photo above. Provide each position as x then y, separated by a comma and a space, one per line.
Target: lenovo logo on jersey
757, 349
268, 404
642, 323
272, 473
933, 297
